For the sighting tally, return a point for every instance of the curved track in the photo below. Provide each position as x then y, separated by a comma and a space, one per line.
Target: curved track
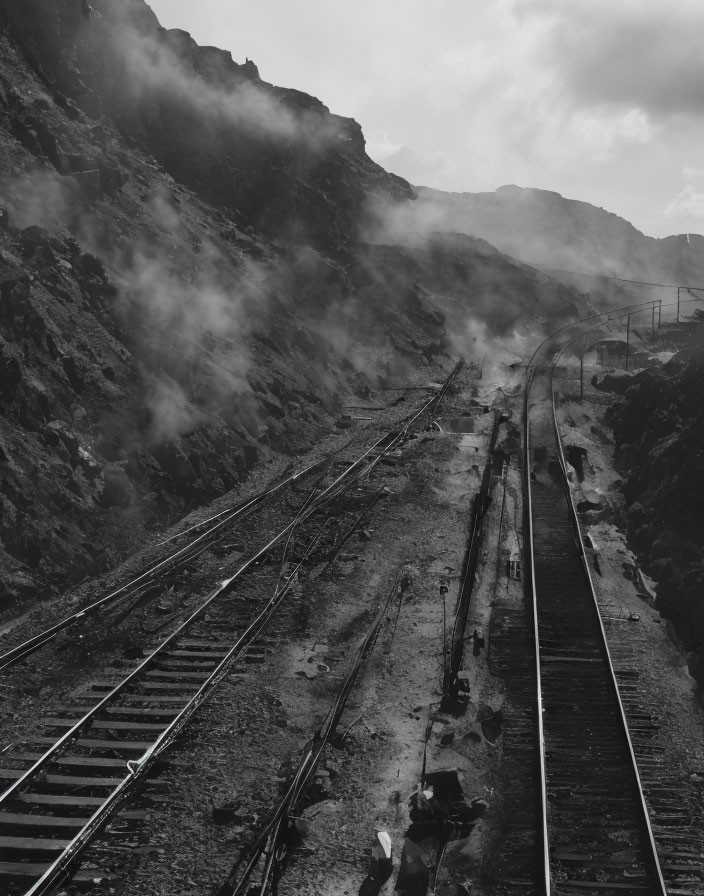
596, 832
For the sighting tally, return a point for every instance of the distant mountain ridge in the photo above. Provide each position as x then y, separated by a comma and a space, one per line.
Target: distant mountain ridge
544, 228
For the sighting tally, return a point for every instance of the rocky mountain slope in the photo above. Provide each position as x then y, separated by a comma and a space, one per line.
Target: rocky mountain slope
659, 432
543, 227
185, 283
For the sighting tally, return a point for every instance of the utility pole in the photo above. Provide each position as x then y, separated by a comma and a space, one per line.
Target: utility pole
628, 338
653, 324
581, 368
678, 303
659, 314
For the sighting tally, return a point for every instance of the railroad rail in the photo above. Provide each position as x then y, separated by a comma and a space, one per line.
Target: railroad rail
203, 534
266, 857
596, 833
212, 528
480, 506
82, 773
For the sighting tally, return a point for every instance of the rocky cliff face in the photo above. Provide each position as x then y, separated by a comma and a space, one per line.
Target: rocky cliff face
659, 432
183, 287
275, 158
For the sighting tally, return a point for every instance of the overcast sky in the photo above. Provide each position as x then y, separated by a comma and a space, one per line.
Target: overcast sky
600, 100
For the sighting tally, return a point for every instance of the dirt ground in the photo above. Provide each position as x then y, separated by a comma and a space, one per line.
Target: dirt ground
243, 745
246, 740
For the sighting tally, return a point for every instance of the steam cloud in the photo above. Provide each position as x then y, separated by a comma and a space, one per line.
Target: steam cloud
153, 69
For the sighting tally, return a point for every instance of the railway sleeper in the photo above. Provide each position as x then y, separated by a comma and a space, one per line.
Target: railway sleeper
567, 887
98, 764
177, 665
110, 725
127, 746
25, 821
30, 847
152, 702
63, 802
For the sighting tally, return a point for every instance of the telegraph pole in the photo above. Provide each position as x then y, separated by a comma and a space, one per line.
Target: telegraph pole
628, 338
678, 303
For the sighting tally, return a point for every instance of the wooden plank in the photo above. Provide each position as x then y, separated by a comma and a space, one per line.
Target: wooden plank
118, 725
203, 662
127, 745
76, 761
605, 885
34, 871
12, 774
76, 781
153, 699
177, 675
200, 642
141, 711
22, 869
64, 801
59, 799
41, 821
34, 844
198, 654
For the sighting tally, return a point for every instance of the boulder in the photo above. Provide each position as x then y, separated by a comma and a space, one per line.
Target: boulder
117, 490
614, 381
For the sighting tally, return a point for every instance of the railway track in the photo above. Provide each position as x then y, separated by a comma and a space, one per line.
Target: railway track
596, 832
66, 784
202, 534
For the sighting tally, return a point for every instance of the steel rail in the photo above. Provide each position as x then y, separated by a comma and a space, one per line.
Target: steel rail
612, 672
223, 588
60, 867
651, 858
656, 867
267, 842
38, 641
58, 870
544, 881
480, 506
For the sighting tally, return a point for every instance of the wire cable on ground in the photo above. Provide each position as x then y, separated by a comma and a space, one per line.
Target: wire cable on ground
269, 846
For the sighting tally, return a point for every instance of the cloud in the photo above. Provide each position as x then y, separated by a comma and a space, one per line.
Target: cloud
437, 168
606, 132
688, 202
380, 146
599, 100
163, 65
644, 54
